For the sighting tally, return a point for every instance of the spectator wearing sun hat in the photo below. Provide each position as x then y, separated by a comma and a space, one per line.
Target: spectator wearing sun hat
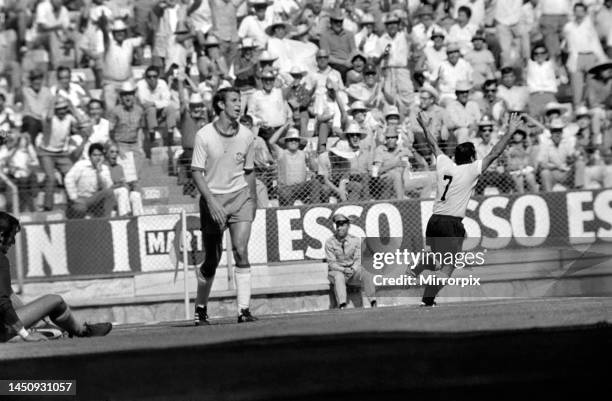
422, 32
434, 54
54, 146
453, 70
366, 39
294, 165
117, 60
435, 117
463, 114
268, 107
254, 26
481, 59
556, 158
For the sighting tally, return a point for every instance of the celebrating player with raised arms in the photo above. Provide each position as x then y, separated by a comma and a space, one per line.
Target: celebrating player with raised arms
456, 182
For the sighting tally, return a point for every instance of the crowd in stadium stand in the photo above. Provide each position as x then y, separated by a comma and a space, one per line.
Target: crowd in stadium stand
331, 88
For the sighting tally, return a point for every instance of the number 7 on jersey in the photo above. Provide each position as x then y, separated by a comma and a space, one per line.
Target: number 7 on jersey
450, 179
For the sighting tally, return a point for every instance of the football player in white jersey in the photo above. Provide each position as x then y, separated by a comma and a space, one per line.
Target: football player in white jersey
456, 181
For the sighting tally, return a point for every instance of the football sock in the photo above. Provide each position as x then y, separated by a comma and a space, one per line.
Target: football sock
243, 287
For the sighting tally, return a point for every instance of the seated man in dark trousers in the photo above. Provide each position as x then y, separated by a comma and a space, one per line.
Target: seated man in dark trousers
16, 317
343, 253
456, 181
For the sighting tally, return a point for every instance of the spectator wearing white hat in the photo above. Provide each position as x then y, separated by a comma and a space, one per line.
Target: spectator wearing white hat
366, 39
279, 45
434, 54
361, 115
369, 90
53, 146
394, 51
127, 122
495, 175
435, 118
299, 95
481, 59
254, 26
211, 62
598, 97
390, 161
324, 73
117, 60
454, 70
462, 115
268, 107
556, 158
422, 32
294, 165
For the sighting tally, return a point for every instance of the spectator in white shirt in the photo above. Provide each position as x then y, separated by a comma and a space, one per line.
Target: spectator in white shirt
453, 70
507, 17
69, 90
555, 158
254, 26
541, 79
52, 23
117, 60
477, 7
515, 96
100, 132
554, 16
584, 49
394, 52
463, 114
89, 186
463, 31
268, 107
481, 59
366, 39
154, 96
423, 31
127, 194
433, 56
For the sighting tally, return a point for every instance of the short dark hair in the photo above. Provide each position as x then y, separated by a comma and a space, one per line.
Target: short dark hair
507, 70
94, 101
464, 153
489, 82
466, 10
8, 224
221, 96
153, 68
95, 146
537, 45
580, 5
61, 69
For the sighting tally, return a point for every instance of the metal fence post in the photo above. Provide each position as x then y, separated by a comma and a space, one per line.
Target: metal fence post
185, 261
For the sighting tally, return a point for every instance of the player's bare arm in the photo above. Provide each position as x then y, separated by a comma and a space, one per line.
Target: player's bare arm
216, 210
514, 122
431, 140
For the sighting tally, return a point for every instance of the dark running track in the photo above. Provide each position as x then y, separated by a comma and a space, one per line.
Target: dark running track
493, 350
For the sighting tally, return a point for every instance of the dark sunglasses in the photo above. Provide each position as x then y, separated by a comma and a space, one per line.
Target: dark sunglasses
487, 130
392, 137
152, 76
341, 223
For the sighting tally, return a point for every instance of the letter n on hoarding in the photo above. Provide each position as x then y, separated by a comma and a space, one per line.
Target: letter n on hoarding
46, 250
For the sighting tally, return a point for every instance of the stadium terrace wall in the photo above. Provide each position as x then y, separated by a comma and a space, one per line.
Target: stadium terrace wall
97, 248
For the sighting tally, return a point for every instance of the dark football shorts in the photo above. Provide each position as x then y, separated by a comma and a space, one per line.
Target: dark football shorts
239, 206
445, 233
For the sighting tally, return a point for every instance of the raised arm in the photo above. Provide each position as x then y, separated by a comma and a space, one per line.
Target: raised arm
514, 122
431, 140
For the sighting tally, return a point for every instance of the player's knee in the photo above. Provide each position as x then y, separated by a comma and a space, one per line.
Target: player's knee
208, 270
56, 301
241, 253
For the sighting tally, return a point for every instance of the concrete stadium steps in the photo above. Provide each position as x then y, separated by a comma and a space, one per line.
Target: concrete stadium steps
155, 178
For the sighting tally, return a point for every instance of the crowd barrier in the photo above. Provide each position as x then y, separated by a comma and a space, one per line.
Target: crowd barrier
93, 248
